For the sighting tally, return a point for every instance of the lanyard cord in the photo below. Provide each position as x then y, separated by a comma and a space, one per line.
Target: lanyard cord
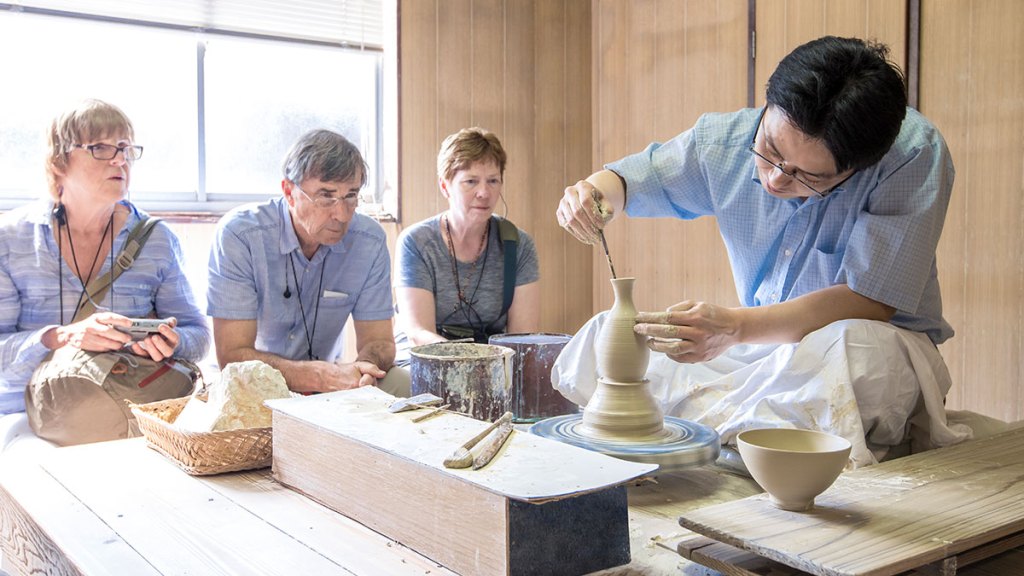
302, 309
74, 259
466, 304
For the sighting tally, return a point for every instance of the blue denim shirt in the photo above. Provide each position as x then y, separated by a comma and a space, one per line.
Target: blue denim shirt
877, 233
30, 294
250, 272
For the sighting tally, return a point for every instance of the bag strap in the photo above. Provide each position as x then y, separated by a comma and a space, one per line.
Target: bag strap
510, 241
97, 289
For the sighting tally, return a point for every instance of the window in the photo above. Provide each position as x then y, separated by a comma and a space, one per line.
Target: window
215, 109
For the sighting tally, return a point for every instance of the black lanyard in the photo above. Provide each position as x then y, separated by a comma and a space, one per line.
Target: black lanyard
302, 309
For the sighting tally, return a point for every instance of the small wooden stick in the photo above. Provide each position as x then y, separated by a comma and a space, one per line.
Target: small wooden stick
433, 412
486, 450
462, 457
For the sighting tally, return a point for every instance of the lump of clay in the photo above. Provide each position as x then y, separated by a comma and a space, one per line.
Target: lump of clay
236, 400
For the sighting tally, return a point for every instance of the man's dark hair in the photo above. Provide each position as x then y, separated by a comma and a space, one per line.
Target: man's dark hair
844, 92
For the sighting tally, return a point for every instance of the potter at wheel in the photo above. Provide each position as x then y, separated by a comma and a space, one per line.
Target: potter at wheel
622, 419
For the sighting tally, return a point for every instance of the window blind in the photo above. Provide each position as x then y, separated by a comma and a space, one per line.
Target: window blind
352, 23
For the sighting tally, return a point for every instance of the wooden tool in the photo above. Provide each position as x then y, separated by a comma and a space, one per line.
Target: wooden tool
607, 255
433, 412
486, 450
417, 401
464, 458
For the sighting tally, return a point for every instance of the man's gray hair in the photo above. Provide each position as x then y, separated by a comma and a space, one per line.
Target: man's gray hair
326, 156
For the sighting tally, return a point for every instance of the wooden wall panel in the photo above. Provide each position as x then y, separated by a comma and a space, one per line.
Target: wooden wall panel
520, 68
659, 64
785, 24
972, 73
418, 103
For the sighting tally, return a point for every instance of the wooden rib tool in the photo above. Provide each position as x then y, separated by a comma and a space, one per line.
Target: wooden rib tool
476, 453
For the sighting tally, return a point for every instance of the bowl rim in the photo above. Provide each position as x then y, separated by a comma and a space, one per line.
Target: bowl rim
846, 445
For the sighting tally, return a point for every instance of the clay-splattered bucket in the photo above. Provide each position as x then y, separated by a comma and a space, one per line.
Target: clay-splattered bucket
474, 378
533, 398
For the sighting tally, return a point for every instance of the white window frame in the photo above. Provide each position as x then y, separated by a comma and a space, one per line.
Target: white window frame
199, 203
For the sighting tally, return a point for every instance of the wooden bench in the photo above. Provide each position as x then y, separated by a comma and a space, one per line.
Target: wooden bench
933, 513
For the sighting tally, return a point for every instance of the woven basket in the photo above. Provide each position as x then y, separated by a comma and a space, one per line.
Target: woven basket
202, 453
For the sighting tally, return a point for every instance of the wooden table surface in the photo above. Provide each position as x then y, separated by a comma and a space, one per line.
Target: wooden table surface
120, 508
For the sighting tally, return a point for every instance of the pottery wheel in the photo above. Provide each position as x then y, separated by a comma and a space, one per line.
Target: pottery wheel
681, 444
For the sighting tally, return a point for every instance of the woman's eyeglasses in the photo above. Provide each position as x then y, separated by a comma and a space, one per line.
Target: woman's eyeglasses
131, 152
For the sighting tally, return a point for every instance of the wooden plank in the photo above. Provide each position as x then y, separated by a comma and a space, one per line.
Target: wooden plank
343, 540
347, 451
729, 560
367, 486
1006, 564
362, 416
888, 518
46, 530
178, 523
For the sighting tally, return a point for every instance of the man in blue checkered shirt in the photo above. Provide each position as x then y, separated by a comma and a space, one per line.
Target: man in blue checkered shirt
830, 200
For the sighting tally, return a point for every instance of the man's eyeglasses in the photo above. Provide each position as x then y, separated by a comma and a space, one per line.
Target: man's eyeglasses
131, 152
780, 165
328, 202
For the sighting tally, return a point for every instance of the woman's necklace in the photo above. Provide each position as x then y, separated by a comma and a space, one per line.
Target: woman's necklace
92, 267
455, 258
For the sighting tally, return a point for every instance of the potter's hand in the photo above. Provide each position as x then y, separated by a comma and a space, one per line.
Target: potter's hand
690, 331
583, 211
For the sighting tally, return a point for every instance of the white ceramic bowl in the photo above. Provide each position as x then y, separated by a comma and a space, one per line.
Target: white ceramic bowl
793, 466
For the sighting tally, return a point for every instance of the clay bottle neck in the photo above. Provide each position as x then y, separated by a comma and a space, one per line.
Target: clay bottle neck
623, 288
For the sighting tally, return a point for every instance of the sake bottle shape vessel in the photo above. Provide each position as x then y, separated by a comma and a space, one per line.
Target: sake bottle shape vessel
622, 355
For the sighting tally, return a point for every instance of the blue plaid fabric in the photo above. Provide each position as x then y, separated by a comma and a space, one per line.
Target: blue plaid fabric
30, 294
877, 233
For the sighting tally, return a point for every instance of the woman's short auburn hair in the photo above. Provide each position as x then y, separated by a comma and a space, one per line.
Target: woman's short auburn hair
89, 120
466, 147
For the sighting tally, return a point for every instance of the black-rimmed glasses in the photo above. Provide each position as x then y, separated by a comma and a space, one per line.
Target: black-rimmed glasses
328, 202
131, 152
780, 165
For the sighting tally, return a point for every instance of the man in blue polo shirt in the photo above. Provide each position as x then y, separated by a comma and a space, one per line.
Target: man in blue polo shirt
286, 274
830, 201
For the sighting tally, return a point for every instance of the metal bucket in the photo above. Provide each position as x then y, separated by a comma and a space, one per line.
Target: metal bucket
474, 378
533, 398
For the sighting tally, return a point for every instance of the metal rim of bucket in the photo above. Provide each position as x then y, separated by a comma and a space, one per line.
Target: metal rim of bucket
500, 337
496, 351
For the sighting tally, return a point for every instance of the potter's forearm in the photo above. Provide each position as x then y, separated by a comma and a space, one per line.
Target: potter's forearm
790, 321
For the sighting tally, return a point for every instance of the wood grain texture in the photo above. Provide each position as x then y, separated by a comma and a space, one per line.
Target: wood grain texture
44, 530
658, 66
782, 25
888, 518
972, 75
517, 515
80, 538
